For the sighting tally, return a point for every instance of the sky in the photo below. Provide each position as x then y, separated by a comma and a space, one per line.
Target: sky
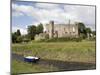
33, 13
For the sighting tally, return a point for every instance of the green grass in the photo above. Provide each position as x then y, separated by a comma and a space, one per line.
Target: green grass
64, 51
22, 67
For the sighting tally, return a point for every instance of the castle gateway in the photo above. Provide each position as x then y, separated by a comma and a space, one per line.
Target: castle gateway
61, 30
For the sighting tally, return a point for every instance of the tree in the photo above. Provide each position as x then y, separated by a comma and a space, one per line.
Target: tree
88, 30
31, 31
18, 33
25, 38
39, 28
19, 39
81, 28
14, 37
94, 32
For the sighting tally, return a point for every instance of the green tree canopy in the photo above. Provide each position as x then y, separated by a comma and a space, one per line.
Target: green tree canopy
81, 27
31, 31
39, 28
14, 37
94, 32
82, 30
88, 30
19, 39
18, 33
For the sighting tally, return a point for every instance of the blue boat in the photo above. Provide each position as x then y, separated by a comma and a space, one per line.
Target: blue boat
31, 59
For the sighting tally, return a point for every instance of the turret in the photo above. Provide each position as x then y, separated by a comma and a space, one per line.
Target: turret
51, 29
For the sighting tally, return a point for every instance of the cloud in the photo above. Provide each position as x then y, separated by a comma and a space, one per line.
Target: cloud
85, 14
46, 6
44, 12
21, 9
22, 30
16, 13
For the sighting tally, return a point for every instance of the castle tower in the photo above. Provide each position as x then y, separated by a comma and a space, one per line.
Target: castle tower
69, 27
77, 32
51, 34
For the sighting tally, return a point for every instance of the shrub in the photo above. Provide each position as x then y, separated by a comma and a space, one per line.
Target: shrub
19, 39
92, 38
62, 39
82, 36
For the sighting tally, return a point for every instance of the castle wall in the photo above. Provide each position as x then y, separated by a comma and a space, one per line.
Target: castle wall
51, 29
62, 30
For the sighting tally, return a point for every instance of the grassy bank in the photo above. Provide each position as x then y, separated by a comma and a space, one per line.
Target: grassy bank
22, 67
65, 51
62, 51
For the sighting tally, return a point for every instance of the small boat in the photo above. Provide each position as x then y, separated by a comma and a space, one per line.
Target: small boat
31, 59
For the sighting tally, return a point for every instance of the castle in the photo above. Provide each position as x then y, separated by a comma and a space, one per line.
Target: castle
61, 30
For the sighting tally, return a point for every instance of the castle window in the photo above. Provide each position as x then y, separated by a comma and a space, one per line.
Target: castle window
65, 32
64, 29
73, 29
73, 32
56, 31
